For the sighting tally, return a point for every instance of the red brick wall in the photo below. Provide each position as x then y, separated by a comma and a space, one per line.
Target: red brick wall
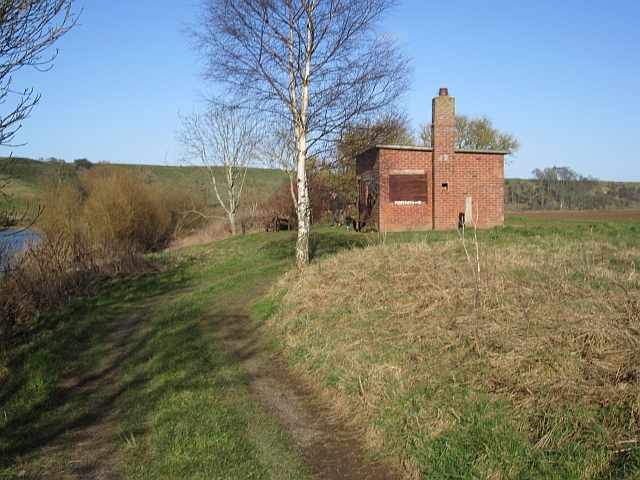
478, 175
398, 216
444, 130
452, 176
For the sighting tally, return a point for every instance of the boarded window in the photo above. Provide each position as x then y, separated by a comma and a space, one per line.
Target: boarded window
412, 188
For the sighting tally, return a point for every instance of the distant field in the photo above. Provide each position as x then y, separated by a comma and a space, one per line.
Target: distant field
570, 217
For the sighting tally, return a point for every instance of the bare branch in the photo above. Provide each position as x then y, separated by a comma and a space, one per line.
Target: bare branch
226, 136
27, 29
318, 64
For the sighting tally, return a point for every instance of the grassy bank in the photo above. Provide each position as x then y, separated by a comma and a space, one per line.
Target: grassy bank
526, 368
512, 357
180, 391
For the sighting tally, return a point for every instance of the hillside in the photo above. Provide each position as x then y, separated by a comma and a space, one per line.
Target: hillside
26, 179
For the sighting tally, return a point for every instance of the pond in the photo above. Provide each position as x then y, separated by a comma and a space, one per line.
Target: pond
18, 239
15, 241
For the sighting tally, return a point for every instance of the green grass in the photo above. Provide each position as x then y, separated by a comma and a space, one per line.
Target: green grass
187, 410
23, 181
188, 400
187, 407
188, 176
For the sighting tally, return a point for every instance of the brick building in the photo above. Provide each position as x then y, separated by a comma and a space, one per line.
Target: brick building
431, 188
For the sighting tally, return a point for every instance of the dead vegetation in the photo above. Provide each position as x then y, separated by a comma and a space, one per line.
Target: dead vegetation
96, 225
547, 325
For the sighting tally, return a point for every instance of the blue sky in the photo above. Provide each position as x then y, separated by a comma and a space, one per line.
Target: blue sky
563, 76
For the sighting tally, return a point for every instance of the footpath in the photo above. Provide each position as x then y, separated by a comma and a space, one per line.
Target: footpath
187, 386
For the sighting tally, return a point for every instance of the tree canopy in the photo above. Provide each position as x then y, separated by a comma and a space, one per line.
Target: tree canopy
475, 134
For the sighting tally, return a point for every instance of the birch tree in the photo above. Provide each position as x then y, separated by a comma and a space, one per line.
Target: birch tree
318, 64
224, 136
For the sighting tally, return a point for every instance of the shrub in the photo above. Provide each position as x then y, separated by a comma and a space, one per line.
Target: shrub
123, 209
95, 224
281, 203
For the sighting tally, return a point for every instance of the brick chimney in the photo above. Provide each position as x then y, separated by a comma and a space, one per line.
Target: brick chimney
444, 130
444, 122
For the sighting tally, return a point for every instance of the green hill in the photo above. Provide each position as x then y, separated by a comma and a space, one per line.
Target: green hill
25, 180
23, 185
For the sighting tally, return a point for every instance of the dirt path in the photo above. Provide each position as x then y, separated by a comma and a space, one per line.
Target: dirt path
333, 450
88, 447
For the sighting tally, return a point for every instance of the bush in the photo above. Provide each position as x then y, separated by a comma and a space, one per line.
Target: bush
122, 208
281, 203
96, 224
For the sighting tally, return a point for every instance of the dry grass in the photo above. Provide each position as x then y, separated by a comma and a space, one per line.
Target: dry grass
555, 329
217, 228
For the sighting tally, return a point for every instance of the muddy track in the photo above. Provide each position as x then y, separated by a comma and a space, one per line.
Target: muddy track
333, 450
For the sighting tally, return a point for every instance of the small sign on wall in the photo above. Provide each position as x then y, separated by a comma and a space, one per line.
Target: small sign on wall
408, 188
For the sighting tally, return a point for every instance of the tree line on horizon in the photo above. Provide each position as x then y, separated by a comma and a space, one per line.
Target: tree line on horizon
561, 188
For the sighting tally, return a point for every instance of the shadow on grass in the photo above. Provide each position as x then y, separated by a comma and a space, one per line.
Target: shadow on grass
55, 382
64, 378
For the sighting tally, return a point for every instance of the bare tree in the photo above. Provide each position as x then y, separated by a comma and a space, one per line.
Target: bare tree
317, 63
225, 136
279, 150
27, 29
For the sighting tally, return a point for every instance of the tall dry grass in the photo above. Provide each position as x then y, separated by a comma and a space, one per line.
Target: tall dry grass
249, 219
547, 326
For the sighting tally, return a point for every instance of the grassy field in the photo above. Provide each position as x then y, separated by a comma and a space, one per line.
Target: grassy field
513, 355
26, 180
23, 183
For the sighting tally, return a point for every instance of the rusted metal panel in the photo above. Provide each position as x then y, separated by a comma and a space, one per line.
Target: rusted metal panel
411, 188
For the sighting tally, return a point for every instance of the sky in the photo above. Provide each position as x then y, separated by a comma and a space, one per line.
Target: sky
562, 76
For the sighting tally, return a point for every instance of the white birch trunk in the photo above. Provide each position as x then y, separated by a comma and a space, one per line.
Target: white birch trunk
304, 210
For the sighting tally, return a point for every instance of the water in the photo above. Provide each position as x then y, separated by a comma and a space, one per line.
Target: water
15, 241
